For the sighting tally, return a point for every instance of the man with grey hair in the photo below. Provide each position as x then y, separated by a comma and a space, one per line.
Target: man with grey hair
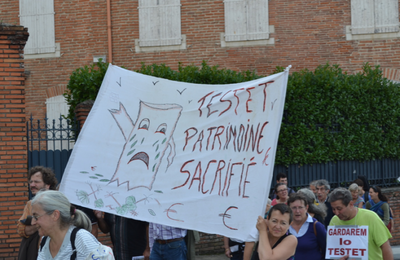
323, 187
348, 215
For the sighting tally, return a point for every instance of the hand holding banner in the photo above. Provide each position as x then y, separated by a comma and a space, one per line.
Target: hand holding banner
347, 240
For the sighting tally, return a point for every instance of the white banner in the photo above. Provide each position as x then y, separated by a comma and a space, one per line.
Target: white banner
194, 156
347, 240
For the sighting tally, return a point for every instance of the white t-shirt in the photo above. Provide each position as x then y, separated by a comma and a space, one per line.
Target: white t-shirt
85, 243
253, 236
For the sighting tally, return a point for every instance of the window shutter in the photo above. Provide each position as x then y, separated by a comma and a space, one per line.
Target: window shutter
386, 16
235, 20
246, 20
148, 22
45, 27
159, 22
28, 19
257, 21
170, 23
38, 17
362, 16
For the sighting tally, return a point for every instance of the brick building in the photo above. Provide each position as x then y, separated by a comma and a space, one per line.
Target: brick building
236, 34
240, 35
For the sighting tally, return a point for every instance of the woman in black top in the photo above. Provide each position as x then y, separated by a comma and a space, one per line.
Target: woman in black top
274, 240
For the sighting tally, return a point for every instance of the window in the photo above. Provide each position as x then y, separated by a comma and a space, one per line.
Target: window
246, 20
38, 17
374, 16
159, 23
58, 139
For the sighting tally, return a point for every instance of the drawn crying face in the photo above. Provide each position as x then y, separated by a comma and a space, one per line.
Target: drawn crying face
146, 143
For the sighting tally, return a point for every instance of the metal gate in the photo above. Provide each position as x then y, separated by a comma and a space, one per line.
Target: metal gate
50, 144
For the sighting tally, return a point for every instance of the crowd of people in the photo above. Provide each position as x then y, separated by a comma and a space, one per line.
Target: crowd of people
296, 225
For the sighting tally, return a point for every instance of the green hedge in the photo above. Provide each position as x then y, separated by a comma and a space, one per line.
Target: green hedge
329, 115
332, 116
84, 83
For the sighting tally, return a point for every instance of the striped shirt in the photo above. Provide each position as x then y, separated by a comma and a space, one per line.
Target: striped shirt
161, 232
85, 243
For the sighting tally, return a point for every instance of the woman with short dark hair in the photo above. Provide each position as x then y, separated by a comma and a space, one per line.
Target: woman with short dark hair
275, 242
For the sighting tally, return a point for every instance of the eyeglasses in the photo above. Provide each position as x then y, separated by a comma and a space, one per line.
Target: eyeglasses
278, 191
297, 208
35, 217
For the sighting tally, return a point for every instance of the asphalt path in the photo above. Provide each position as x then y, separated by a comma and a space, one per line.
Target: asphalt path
395, 249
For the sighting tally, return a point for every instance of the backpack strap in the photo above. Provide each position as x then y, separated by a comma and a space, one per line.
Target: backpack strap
315, 229
43, 242
73, 236
254, 253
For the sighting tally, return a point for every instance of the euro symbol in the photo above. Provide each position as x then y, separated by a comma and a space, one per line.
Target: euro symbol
226, 215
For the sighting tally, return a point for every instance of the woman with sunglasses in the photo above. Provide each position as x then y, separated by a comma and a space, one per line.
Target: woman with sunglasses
56, 218
379, 204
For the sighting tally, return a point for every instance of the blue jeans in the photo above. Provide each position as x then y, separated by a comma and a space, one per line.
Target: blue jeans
171, 251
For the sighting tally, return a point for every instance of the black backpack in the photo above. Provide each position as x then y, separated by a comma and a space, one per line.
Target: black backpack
73, 236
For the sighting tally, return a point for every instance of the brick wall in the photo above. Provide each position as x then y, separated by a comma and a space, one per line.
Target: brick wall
13, 162
210, 244
393, 195
307, 33
81, 30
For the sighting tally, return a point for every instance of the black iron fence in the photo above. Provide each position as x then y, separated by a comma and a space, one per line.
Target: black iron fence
50, 143
383, 172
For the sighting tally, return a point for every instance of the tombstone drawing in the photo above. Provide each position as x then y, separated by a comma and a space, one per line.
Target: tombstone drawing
146, 142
